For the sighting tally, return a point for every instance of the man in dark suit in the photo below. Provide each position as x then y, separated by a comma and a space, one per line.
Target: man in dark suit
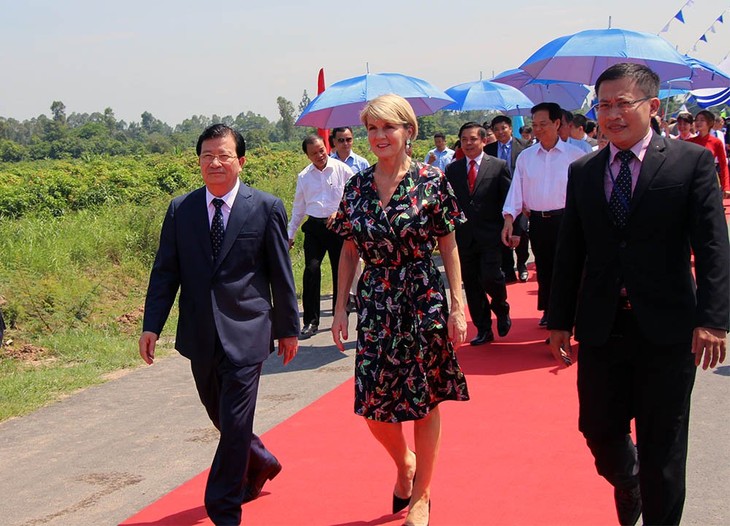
508, 148
225, 247
634, 213
480, 183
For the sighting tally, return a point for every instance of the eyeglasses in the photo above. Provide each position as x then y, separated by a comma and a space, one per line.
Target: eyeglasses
208, 158
344, 139
622, 105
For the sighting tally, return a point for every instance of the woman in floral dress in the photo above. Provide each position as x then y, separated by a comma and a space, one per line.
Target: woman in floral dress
393, 215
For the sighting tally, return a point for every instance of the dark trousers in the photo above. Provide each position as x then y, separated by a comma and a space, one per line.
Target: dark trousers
522, 250
483, 279
318, 240
228, 393
544, 239
626, 378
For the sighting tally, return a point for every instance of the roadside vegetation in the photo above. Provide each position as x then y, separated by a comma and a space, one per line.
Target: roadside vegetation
77, 239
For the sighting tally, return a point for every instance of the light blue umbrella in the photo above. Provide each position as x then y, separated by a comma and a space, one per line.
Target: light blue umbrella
568, 95
583, 56
487, 95
341, 103
703, 75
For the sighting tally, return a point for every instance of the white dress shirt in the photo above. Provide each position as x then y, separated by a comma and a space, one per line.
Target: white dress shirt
228, 200
318, 193
540, 178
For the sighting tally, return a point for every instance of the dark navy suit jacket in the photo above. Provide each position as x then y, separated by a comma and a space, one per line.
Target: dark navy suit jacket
247, 296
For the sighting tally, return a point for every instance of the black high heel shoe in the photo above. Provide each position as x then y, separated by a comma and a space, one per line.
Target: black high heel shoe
399, 503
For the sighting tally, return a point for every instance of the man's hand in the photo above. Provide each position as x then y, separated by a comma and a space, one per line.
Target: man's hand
339, 328
291, 243
288, 347
331, 218
507, 230
561, 348
147, 343
711, 342
431, 158
456, 327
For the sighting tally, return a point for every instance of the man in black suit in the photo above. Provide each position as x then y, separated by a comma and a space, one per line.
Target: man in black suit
508, 148
225, 247
634, 213
480, 183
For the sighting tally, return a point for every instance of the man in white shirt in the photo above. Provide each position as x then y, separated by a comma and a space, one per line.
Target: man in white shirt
441, 155
342, 140
318, 194
538, 190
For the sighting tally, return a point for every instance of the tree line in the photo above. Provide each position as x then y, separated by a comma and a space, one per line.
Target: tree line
63, 135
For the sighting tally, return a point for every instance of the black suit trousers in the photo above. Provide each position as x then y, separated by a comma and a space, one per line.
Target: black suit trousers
544, 239
318, 240
521, 251
228, 393
629, 377
483, 279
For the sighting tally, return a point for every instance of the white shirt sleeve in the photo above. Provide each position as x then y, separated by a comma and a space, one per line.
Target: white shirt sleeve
298, 209
513, 201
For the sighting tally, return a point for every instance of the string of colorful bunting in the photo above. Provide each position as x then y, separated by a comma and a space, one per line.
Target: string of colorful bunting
719, 20
679, 16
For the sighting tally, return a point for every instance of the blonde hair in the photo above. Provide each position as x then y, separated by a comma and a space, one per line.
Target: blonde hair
390, 108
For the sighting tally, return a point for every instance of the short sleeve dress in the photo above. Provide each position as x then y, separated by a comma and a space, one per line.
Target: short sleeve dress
404, 363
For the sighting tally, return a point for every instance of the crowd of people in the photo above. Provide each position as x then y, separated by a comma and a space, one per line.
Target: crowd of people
614, 212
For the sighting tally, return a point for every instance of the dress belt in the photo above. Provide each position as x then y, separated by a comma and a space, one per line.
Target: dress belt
319, 219
547, 213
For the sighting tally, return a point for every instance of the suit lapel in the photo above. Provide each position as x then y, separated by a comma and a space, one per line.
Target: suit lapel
239, 214
653, 160
459, 182
201, 223
481, 172
597, 172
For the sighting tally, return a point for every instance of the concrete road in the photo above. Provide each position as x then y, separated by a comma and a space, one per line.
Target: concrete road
101, 455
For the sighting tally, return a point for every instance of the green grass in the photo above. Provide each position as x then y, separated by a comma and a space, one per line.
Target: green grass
77, 241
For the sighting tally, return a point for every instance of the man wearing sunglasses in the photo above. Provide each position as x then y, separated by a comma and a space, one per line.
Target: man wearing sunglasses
342, 140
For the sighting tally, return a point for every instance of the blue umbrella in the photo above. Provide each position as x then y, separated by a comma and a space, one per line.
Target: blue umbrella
703, 75
341, 103
569, 95
487, 95
582, 57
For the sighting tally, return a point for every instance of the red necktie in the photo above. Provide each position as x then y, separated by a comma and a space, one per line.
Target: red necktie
471, 177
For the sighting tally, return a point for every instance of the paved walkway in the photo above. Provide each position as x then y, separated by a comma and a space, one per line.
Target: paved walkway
103, 454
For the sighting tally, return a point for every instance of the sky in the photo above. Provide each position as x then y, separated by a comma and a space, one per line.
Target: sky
178, 58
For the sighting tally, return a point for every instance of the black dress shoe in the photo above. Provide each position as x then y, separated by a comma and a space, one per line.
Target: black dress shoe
523, 276
483, 337
628, 505
309, 330
543, 320
504, 323
253, 487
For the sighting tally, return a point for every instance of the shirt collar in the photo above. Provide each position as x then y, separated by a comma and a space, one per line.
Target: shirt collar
478, 160
560, 146
638, 149
228, 198
313, 168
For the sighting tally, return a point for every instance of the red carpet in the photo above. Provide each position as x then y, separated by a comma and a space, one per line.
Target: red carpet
510, 456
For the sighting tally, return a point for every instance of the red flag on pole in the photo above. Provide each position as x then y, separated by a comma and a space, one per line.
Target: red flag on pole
325, 134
